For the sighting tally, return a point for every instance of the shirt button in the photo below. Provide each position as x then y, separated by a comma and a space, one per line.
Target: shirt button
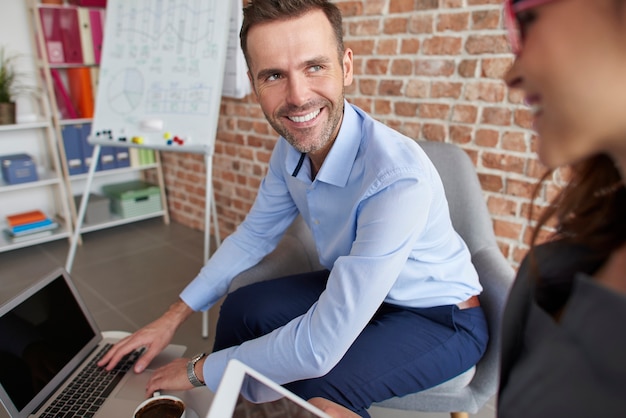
316, 222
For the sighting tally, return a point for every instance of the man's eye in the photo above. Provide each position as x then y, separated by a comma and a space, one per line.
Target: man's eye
273, 77
315, 68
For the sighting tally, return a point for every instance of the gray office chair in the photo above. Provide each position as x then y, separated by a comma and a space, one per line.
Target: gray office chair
468, 392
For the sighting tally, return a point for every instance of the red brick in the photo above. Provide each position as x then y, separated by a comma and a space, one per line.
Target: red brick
487, 138
507, 229
483, 44
387, 47
464, 113
495, 67
434, 132
486, 19
496, 116
419, 23
461, 134
514, 141
434, 67
491, 182
390, 88
393, 26
418, 88
377, 66
400, 6
442, 45
410, 46
486, 91
447, 89
434, 111
455, 22
406, 109
401, 67
502, 206
467, 68
368, 86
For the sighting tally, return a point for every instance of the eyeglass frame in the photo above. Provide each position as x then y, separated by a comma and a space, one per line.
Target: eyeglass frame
511, 10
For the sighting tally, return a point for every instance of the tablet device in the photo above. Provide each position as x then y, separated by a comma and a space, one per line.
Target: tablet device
244, 392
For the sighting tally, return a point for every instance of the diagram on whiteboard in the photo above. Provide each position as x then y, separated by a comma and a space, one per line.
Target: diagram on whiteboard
125, 91
162, 70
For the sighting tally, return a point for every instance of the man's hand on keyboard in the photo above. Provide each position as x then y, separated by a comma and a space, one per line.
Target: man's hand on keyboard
172, 376
154, 337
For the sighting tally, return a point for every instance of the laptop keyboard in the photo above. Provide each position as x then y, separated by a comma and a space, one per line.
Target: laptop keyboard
90, 388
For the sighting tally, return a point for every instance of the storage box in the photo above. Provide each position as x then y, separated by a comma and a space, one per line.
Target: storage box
133, 198
18, 168
98, 208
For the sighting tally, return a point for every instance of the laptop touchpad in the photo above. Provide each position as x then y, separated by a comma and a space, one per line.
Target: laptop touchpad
134, 388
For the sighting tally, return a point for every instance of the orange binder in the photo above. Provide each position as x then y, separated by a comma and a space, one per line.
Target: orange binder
81, 91
25, 218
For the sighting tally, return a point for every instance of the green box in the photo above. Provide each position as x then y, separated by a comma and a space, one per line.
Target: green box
133, 198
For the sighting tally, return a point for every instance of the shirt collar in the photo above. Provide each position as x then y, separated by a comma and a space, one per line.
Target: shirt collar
340, 159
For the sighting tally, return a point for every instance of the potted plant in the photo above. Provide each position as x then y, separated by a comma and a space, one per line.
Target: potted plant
9, 86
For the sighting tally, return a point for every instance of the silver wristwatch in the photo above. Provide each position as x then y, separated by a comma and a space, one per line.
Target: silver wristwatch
191, 372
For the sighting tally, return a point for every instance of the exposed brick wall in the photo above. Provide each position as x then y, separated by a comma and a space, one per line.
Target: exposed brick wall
429, 68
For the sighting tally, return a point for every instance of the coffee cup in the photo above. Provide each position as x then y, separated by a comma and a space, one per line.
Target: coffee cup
161, 406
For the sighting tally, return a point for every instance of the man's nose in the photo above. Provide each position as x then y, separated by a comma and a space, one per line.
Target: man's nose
297, 90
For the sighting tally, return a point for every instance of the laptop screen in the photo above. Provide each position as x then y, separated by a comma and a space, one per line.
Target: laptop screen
41, 335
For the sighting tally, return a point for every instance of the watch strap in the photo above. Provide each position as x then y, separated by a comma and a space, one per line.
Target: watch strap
191, 372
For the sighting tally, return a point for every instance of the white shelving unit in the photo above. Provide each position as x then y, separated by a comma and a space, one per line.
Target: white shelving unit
76, 184
48, 193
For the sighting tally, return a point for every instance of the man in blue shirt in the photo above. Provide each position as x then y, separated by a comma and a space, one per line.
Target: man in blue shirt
395, 311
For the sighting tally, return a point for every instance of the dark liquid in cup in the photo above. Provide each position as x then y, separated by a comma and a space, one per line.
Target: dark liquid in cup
161, 408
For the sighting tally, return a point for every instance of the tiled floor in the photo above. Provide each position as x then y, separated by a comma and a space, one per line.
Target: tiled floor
129, 275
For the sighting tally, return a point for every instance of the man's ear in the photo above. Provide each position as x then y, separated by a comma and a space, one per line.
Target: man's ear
348, 67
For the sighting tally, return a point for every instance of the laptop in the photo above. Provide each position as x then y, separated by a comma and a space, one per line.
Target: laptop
244, 392
48, 338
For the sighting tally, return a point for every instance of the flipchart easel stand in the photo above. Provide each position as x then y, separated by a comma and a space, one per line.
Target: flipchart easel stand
209, 205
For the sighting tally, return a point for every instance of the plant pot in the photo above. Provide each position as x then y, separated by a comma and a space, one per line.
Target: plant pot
7, 113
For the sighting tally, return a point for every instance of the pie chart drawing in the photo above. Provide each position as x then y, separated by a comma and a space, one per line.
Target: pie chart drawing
126, 91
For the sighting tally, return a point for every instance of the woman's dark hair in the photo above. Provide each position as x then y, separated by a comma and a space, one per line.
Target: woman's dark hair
591, 208
262, 11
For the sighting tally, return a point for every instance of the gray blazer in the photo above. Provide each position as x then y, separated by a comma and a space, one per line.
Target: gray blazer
575, 367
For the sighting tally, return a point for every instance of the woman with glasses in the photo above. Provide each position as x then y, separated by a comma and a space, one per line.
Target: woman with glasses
564, 327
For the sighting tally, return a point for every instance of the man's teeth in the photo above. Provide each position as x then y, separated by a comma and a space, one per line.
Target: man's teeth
305, 118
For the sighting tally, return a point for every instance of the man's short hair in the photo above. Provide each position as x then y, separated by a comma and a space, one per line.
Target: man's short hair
263, 11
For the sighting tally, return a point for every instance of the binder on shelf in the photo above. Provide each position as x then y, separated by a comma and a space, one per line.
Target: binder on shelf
23, 218
33, 227
73, 149
95, 78
70, 30
86, 39
51, 27
64, 103
122, 157
96, 20
81, 93
89, 3
133, 154
21, 238
107, 158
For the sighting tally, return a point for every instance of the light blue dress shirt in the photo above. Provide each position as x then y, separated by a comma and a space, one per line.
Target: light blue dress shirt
380, 220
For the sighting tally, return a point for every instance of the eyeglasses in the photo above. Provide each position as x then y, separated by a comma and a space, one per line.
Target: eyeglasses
512, 24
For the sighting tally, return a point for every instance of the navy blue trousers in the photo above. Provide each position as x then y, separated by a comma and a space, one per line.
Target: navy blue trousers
401, 351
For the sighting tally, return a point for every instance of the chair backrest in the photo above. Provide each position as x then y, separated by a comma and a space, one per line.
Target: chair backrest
471, 219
